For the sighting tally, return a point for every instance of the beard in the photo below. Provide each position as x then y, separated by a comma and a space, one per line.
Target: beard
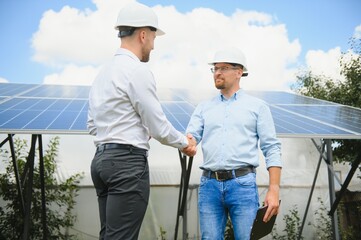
219, 84
145, 55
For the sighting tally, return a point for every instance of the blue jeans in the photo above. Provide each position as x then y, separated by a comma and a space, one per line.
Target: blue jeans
237, 197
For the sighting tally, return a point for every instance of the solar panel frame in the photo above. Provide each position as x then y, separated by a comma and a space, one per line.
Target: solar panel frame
62, 109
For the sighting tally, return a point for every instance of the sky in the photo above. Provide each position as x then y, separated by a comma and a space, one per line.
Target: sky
67, 41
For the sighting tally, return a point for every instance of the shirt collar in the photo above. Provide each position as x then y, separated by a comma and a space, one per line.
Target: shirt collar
124, 51
234, 97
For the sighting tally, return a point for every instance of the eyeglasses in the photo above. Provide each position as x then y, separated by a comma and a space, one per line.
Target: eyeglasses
223, 69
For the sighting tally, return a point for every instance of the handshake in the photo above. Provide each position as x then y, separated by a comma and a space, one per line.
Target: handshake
191, 149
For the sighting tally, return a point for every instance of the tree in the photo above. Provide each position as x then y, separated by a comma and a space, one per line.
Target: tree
347, 92
59, 196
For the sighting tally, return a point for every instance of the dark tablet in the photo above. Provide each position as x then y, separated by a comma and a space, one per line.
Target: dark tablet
260, 228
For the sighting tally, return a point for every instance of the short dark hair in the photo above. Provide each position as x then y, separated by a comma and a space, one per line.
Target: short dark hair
125, 31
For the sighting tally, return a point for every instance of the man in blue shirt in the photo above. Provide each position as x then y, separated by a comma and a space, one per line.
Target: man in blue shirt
232, 127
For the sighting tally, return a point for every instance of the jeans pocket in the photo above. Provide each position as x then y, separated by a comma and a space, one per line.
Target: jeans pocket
247, 180
203, 181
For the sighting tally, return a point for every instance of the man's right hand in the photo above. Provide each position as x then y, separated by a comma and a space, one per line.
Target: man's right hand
191, 149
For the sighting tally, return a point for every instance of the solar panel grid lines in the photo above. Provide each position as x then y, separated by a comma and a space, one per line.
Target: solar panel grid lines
338, 116
58, 109
290, 122
14, 89
40, 112
60, 91
176, 112
80, 115
286, 98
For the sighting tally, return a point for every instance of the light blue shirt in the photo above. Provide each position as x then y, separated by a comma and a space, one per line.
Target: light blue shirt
231, 130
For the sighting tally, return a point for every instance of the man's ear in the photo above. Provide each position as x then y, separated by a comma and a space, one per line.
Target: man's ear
142, 34
240, 73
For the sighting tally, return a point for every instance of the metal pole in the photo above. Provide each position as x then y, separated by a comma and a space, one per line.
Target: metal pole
183, 190
29, 189
42, 184
311, 193
331, 185
16, 172
354, 167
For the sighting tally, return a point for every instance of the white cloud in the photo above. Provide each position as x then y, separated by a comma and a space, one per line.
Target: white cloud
325, 63
77, 36
357, 32
181, 56
84, 37
73, 75
3, 80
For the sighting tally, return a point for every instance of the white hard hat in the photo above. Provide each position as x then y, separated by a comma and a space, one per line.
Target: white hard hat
230, 55
135, 14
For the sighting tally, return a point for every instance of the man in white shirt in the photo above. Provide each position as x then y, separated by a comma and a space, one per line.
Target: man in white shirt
124, 113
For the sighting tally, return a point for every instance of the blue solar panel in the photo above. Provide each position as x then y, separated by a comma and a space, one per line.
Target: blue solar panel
31, 108
344, 117
289, 124
280, 98
56, 91
13, 89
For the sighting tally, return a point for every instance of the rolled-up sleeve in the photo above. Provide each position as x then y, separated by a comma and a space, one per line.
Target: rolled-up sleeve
269, 144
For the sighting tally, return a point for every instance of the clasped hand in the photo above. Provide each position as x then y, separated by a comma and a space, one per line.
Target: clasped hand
191, 149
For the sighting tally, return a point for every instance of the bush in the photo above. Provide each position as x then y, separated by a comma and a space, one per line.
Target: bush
59, 196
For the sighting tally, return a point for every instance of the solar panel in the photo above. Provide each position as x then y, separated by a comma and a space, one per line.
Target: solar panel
59, 109
286, 98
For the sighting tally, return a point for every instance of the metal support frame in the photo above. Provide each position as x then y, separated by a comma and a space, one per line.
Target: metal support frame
352, 171
25, 181
326, 154
331, 185
311, 193
183, 190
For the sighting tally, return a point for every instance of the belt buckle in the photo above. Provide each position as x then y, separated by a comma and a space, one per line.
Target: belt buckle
220, 176
216, 173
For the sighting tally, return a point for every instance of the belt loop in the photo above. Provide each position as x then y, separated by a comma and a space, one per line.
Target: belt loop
100, 148
234, 173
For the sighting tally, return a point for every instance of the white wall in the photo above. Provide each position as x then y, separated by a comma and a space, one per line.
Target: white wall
300, 159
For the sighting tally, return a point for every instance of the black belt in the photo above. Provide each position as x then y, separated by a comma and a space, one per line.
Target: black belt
224, 175
130, 148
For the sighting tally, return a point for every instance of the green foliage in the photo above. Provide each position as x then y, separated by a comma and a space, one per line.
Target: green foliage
349, 213
162, 234
347, 92
228, 233
323, 226
292, 228
59, 196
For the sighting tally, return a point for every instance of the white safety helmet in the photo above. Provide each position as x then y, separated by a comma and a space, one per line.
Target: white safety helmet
230, 55
135, 14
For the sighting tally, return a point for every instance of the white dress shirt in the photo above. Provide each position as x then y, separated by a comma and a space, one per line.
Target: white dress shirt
124, 107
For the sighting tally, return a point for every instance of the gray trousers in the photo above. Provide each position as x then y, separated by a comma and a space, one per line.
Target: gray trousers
121, 180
